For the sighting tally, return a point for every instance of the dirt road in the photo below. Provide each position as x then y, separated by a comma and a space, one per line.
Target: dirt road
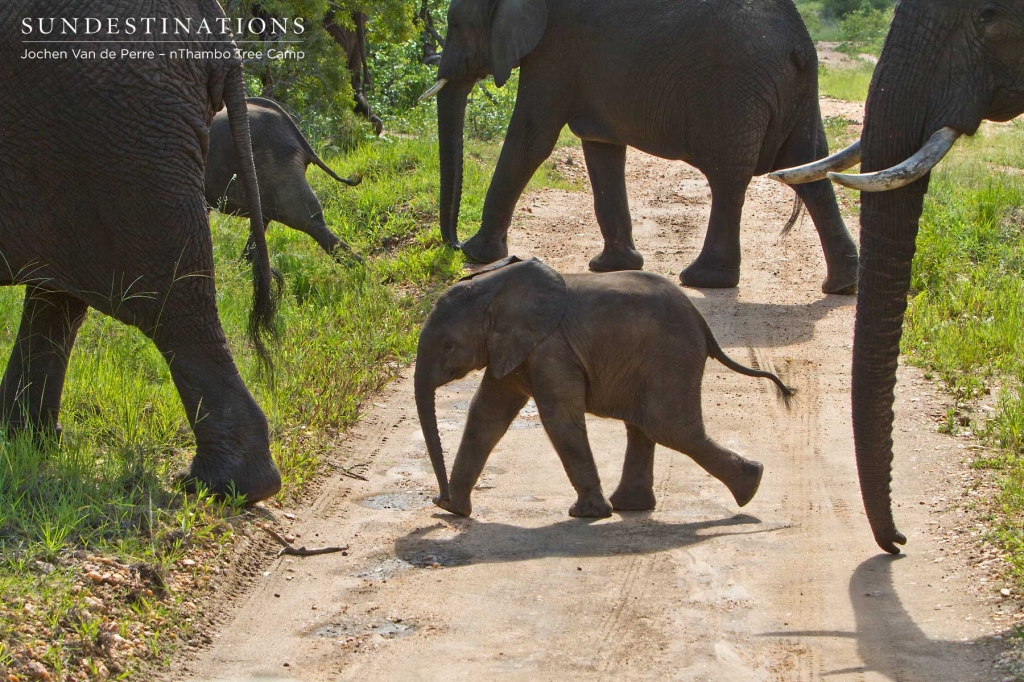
790, 588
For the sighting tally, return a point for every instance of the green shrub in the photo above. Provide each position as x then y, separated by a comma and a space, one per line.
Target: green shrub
867, 28
838, 9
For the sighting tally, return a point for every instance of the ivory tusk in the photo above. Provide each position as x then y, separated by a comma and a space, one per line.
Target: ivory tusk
819, 170
434, 89
911, 170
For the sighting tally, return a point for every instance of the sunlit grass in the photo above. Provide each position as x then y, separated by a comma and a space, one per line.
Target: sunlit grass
966, 320
847, 84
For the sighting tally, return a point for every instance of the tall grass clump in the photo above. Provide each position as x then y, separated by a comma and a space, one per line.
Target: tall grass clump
966, 319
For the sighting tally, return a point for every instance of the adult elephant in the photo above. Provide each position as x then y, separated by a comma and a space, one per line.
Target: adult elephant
945, 66
729, 87
102, 206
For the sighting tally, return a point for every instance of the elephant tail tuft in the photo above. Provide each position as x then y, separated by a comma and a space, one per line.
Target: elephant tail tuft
785, 393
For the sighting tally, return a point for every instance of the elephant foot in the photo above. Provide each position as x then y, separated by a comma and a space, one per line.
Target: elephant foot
254, 482
632, 500
478, 250
702, 274
459, 509
613, 260
42, 432
842, 278
591, 508
745, 485
343, 254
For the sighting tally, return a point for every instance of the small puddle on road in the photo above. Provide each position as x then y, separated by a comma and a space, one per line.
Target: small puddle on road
409, 500
388, 629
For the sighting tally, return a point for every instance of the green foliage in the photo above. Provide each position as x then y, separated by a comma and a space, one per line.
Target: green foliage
839, 9
856, 21
317, 88
399, 77
866, 29
966, 321
820, 27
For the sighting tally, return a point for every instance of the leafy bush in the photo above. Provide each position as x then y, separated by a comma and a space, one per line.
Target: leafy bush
839, 9
867, 27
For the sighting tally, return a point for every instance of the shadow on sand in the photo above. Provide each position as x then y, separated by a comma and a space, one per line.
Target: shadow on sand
763, 325
892, 644
634, 533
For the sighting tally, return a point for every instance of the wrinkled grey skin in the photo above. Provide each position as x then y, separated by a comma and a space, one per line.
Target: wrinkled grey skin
281, 154
559, 339
101, 206
731, 88
945, 63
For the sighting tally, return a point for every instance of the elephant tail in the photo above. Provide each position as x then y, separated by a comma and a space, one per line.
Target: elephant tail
715, 351
798, 211
263, 316
311, 155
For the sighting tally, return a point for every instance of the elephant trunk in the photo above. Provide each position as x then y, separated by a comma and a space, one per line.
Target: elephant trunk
896, 125
261, 318
451, 118
426, 409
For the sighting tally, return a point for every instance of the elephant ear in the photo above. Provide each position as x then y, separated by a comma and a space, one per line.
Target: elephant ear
526, 309
517, 27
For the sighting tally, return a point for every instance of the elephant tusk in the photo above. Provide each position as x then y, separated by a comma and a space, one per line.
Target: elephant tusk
911, 170
819, 170
434, 89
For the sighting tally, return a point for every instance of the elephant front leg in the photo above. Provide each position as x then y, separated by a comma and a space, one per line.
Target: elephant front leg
494, 407
636, 489
718, 265
606, 164
34, 381
531, 138
566, 426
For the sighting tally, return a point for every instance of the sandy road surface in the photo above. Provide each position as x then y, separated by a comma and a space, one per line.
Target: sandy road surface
790, 588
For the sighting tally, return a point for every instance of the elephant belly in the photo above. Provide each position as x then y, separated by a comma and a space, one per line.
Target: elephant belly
593, 129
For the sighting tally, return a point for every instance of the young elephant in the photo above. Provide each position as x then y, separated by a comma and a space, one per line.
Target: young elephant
562, 340
281, 154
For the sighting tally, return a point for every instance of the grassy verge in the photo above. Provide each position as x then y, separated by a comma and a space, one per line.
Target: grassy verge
101, 563
846, 84
966, 321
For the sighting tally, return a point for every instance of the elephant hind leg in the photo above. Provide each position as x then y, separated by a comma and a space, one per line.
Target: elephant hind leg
807, 143
636, 488
740, 475
718, 265
30, 393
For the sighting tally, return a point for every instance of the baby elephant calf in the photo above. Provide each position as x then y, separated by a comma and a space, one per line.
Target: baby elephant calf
625, 345
281, 155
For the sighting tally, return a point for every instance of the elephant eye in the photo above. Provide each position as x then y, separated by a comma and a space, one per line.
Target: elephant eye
988, 14
448, 347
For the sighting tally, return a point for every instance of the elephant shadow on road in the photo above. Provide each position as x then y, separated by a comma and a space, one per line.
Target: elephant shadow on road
763, 325
892, 644
481, 542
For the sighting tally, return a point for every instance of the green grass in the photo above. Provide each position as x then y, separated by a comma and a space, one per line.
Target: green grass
846, 84
966, 321
102, 491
